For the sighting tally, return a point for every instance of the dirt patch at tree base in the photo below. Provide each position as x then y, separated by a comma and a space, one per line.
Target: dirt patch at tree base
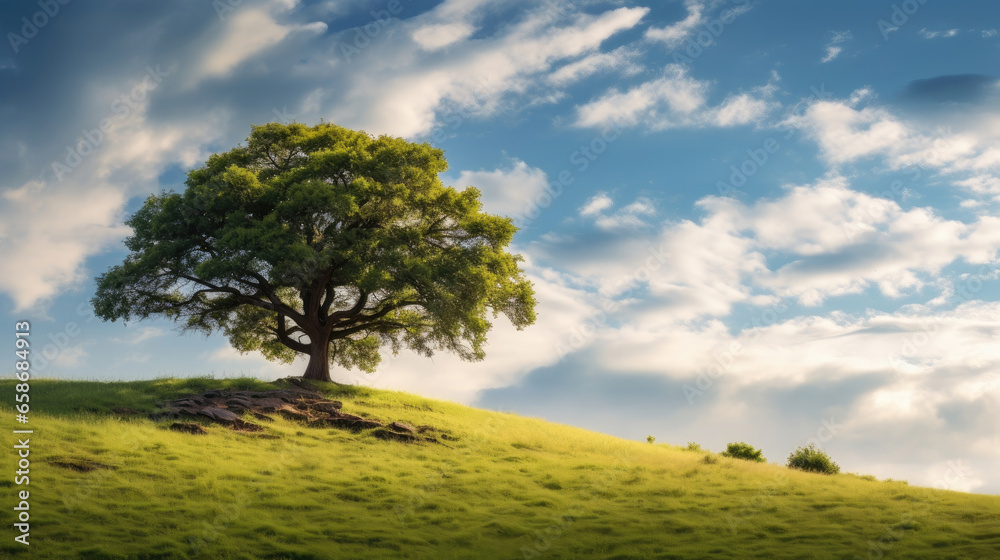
301, 402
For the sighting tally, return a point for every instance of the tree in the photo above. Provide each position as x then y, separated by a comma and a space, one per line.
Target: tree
322, 241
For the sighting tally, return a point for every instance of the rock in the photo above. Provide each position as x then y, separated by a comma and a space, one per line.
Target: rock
268, 404
401, 427
292, 413
188, 428
245, 402
348, 421
330, 407
219, 415
263, 417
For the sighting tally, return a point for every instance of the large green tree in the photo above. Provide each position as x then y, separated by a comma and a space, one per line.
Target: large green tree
322, 241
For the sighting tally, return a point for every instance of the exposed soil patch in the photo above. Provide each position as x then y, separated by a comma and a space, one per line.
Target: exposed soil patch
78, 465
387, 434
302, 402
126, 411
188, 428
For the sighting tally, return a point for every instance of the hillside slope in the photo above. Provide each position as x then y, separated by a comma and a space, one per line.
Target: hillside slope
110, 485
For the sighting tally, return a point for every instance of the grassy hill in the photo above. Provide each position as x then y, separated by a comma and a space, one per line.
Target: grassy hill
105, 486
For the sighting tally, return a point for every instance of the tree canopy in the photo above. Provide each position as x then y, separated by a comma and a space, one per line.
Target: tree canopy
322, 241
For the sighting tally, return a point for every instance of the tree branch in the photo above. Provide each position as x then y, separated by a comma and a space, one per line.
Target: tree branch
283, 335
358, 328
274, 305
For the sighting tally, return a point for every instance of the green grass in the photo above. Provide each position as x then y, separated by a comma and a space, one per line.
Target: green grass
502, 486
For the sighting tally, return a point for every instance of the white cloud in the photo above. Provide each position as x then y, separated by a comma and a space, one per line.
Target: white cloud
675, 100
143, 334
399, 90
963, 148
596, 204
832, 52
845, 133
436, 36
72, 356
620, 60
698, 21
895, 384
935, 34
833, 48
506, 191
825, 239
674, 34
247, 32
252, 364
55, 230
60, 223
630, 216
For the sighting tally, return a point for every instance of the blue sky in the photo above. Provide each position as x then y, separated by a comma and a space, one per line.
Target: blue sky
758, 220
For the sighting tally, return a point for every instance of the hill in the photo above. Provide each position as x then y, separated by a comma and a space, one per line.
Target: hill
110, 484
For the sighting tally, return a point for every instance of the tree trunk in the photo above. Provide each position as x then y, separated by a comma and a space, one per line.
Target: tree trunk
319, 362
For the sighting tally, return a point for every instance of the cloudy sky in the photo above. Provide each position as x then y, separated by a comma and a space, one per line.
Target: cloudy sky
760, 220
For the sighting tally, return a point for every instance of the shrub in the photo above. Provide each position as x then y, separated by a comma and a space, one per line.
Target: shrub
692, 446
710, 459
746, 451
811, 459
650, 439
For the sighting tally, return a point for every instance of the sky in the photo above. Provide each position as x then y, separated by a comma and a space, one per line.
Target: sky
767, 221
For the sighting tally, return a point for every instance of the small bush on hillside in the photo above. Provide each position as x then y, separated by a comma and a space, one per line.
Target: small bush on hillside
812, 460
710, 459
868, 477
746, 451
650, 439
692, 446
